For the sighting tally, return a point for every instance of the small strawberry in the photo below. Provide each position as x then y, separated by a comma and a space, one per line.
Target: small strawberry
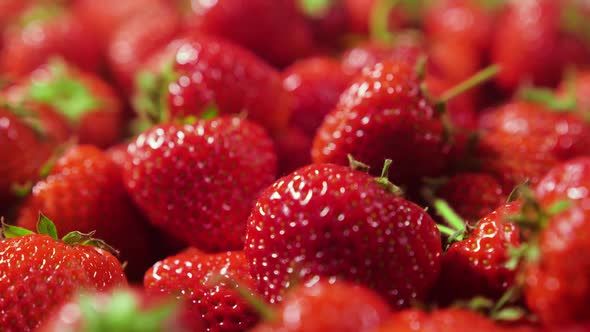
89, 104
315, 85
328, 306
276, 31
324, 221
194, 74
84, 191
40, 272
472, 195
198, 181
120, 309
189, 276
444, 320
44, 31
477, 265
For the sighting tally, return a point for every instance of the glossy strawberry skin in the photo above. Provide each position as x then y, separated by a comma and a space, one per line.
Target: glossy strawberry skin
84, 192
326, 220
526, 43
40, 273
315, 85
276, 31
368, 54
476, 266
558, 284
325, 306
444, 320
187, 276
30, 46
383, 115
472, 195
198, 182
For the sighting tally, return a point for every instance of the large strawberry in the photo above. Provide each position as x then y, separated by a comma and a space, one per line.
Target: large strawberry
383, 114
193, 74
90, 104
324, 221
199, 181
328, 306
41, 272
84, 191
275, 31
192, 276
44, 31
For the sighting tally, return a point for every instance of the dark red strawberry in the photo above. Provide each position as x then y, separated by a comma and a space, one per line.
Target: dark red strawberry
276, 31
293, 148
121, 309
138, 38
40, 272
328, 221
199, 181
315, 85
472, 195
478, 264
90, 104
46, 31
526, 43
328, 306
444, 320
195, 74
368, 54
383, 114
191, 276
84, 191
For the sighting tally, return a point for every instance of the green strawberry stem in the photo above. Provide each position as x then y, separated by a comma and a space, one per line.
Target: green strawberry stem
379, 23
260, 306
383, 180
315, 8
475, 80
574, 21
357, 165
448, 231
547, 97
44, 11
29, 117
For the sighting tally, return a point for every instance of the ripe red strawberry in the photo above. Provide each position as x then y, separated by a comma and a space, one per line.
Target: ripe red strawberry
563, 134
526, 43
90, 105
84, 191
328, 306
275, 31
315, 85
189, 276
557, 278
383, 114
44, 32
293, 150
472, 195
477, 265
444, 320
368, 54
329, 22
138, 38
452, 61
41, 272
196, 73
121, 309
199, 181
324, 221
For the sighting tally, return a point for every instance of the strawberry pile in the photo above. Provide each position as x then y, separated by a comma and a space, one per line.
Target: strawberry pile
294, 165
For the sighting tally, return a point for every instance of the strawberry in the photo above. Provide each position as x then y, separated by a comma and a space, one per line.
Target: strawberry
526, 43
328, 306
581, 91
452, 61
478, 264
324, 221
44, 32
472, 195
384, 115
328, 20
276, 30
198, 181
444, 320
138, 38
557, 278
84, 191
194, 74
189, 277
368, 54
120, 309
461, 109
41, 272
292, 147
89, 104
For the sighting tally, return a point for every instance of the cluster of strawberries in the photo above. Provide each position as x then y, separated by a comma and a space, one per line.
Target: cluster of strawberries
294, 165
